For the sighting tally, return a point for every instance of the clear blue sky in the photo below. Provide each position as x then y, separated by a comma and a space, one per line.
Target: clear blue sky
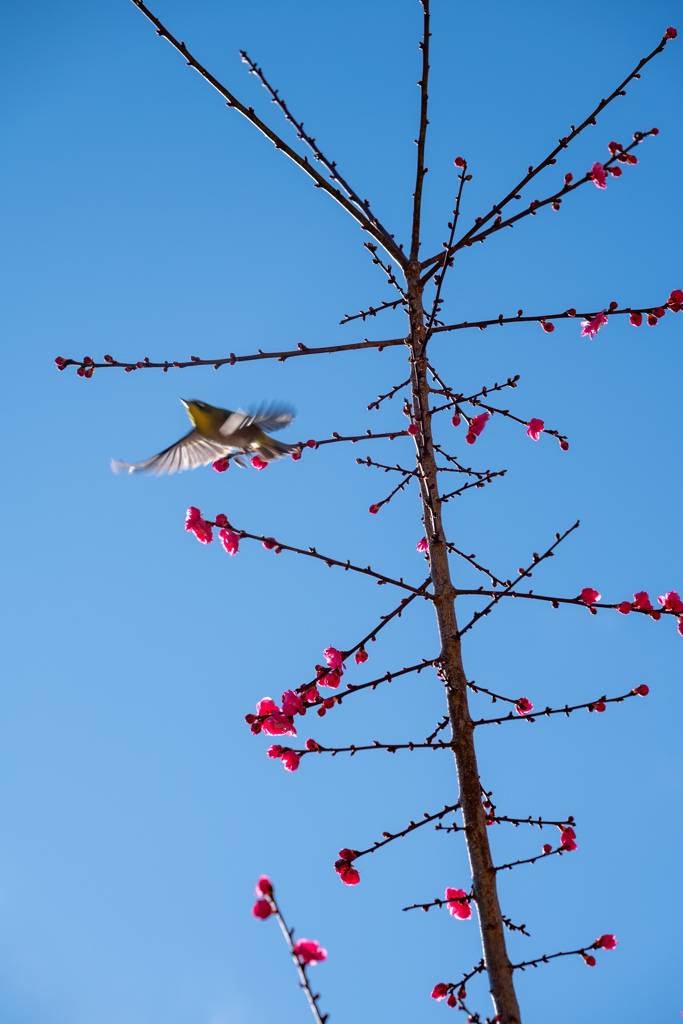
143, 218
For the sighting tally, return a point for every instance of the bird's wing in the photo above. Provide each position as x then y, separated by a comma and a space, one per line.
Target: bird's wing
233, 422
272, 417
189, 452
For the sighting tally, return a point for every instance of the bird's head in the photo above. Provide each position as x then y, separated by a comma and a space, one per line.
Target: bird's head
202, 415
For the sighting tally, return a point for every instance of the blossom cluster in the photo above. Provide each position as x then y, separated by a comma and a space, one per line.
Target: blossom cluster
344, 867
670, 602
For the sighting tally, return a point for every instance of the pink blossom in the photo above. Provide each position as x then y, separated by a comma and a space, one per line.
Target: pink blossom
458, 905
643, 689
439, 991
292, 703
296, 455
524, 706
361, 656
475, 428
567, 838
413, 429
614, 148
312, 745
278, 725
262, 909
607, 942
641, 601
290, 760
676, 299
547, 848
636, 319
624, 607
422, 545
311, 693
591, 327
590, 960
196, 525
309, 952
347, 854
589, 596
264, 886
534, 429
230, 541
659, 312
333, 657
671, 602
599, 706
269, 543
652, 320
221, 520
616, 172
220, 465
267, 706
598, 174
331, 679
275, 750
348, 874
258, 463
373, 510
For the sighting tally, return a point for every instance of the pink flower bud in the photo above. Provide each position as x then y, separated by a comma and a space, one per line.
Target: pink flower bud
439, 991
568, 178
459, 162
422, 545
607, 942
310, 444
636, 319
547, 848
262, 909
548, 328
275, 750
269, 543
312, 745
590, 960
589, 596
643, 689
524, 706
452, 1001
258, 463
264, 886
296, 455
456, 420
220, 465
652, 320
624, 607
600, 706
361, 656
413, 429
221, 519
373, 510
670, 33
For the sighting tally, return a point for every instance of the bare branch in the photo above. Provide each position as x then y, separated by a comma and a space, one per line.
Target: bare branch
421, 169
302, 162
551, 158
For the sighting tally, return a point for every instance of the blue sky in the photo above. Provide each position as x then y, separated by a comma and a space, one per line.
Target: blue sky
142, 218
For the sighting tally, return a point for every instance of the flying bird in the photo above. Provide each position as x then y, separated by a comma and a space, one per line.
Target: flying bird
217, 433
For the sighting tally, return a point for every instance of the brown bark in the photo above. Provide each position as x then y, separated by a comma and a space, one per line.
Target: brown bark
462, 731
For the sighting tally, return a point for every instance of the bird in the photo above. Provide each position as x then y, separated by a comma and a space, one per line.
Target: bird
217, 433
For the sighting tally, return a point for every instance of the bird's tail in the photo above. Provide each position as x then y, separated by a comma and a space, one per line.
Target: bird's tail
269, 449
